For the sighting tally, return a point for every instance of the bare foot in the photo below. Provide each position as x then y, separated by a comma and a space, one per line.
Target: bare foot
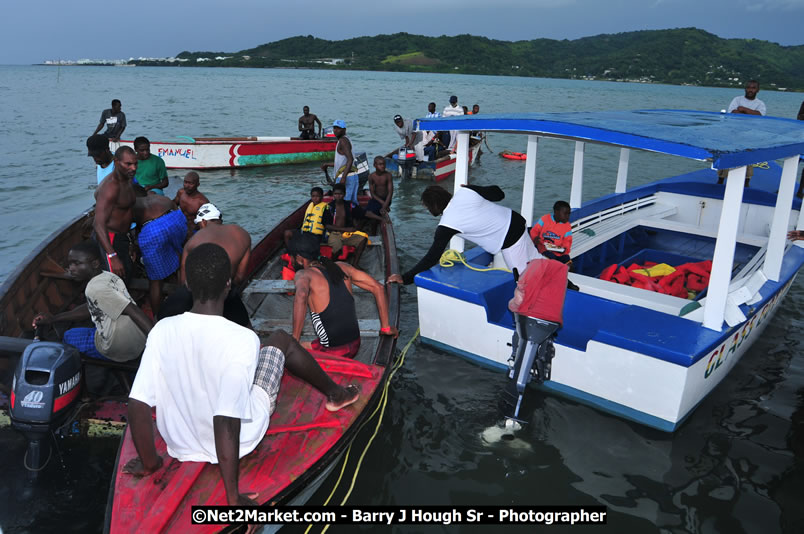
349, 396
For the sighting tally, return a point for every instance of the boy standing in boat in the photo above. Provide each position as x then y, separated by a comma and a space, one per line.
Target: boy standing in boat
213, 387
151, 171
190, 200
381, 187
98, 150
344, 162
325, 287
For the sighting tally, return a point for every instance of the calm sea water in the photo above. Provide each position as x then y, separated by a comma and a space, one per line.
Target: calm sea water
737, 464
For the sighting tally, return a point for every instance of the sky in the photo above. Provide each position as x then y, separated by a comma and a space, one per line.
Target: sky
33, 31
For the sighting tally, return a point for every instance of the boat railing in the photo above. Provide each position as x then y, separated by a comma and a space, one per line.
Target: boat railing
615, 211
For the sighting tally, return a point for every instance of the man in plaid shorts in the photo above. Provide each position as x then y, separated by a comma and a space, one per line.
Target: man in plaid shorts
212, 384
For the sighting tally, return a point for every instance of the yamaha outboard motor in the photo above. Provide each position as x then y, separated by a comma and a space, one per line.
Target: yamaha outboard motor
537, 307
44, 395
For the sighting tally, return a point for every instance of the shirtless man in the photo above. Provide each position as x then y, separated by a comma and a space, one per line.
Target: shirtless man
114, 211
307, 124
237, 244
190, 200
161, 236
325, 287
381, 187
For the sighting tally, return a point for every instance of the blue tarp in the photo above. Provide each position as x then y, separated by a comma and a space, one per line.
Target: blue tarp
727, 140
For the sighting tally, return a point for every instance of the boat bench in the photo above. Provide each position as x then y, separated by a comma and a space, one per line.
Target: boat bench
591, 233
368, 327
281, 286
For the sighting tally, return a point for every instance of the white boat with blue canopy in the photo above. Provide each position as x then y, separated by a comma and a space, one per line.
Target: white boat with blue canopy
646, 356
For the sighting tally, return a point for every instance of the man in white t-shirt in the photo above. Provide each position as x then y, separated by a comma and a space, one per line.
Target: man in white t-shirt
453, 110
746, 105
474, 215
408, 134
213, 386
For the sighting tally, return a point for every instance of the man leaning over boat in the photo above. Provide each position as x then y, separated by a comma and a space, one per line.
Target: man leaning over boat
213, 387
325, 287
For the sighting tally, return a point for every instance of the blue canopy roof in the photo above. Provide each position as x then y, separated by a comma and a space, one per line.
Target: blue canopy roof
727, 140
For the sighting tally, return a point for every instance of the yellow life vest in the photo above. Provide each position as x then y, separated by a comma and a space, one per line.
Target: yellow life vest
312, 218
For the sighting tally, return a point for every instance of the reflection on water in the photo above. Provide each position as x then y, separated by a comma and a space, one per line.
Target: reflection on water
737, 464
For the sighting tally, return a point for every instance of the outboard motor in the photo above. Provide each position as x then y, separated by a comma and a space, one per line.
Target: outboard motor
537, 306
44, 395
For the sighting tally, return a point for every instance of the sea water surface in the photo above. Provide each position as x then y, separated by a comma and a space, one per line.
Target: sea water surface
736, 465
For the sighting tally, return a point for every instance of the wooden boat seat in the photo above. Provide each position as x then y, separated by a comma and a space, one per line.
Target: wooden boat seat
280, 286
368, 327
590, 234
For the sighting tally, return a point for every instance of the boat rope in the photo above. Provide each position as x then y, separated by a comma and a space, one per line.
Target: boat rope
379, 409
486, 140
451, 256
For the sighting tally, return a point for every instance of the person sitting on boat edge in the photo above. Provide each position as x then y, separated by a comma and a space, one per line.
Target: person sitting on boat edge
115, 121
325, 287
381, 188
307, 124
313, 217
98, 150
473, 214
339, 221
114, 212
213, 387
552, 233
151, 170
190, 200
237, 244
120, 328
409, 136
345, 171
162, 232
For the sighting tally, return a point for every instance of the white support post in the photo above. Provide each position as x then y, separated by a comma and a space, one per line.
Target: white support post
461, 177
577, 177
781, 215
529, 186
718, 292
622, 171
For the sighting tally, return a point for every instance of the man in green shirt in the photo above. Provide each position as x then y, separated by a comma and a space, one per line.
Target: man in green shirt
151, 171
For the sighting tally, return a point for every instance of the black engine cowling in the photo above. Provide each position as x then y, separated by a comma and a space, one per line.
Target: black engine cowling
45, 393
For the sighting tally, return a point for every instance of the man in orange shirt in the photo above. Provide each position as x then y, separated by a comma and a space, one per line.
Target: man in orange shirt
552, 234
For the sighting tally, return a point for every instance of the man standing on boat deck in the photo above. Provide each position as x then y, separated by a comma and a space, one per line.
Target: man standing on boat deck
114, 211
190, 200
98, 150
344, 160
473, 214
114, 120
325, 287
746, 105
432, 139
237, 244
453, 110
151, 170
162, 232
307, 124
213, 387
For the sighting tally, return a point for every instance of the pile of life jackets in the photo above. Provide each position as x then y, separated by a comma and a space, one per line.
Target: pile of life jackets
685, 281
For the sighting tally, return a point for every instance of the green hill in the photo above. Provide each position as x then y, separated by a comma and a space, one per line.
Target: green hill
678, 56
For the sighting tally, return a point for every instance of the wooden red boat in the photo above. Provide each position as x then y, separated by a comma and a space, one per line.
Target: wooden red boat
439, 169
303, 441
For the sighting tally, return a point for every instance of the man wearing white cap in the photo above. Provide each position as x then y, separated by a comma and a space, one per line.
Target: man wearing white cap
237, 244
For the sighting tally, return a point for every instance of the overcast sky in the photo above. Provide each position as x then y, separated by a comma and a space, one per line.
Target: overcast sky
32, 31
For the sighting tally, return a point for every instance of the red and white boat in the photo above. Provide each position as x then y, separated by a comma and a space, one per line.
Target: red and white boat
227, 152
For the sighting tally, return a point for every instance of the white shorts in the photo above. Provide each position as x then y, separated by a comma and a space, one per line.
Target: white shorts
520, 253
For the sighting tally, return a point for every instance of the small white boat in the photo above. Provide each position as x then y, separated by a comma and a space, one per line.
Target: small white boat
643, 355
